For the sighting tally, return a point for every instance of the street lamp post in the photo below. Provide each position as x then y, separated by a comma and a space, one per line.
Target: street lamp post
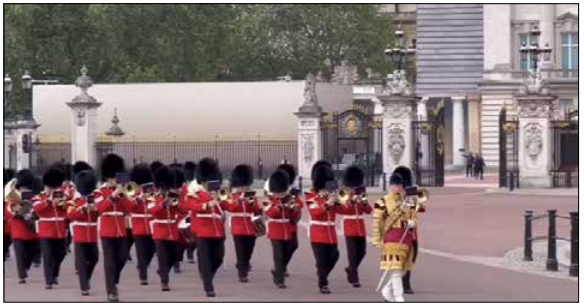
399, 54
531, 50
27, 95
7, 91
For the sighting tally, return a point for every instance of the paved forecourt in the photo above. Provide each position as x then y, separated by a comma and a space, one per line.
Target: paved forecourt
460, 223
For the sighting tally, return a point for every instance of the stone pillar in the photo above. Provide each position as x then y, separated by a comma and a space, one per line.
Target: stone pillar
309, 129
534, 139
458, 132
84, 122
398, 147
547, 28
424, 145
474, 123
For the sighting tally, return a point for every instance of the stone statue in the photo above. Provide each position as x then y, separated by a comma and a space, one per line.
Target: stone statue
310, 91
397, 85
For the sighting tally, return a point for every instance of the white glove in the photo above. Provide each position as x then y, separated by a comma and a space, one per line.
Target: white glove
411, 224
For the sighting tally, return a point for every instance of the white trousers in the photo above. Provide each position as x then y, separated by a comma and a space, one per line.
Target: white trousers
393, 291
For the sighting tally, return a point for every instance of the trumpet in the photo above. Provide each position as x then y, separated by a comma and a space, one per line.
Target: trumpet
344, 195
224, 194
129, 189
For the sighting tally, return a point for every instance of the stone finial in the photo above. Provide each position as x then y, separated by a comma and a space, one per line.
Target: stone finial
115, 130
84, 81
397, 85
310, 104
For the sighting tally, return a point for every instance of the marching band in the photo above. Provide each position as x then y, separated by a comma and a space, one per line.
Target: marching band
168, 210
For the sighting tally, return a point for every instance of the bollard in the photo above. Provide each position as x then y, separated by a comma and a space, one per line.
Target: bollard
300, 184
552, 260
527, 248
574, 244
384, 182
511, 181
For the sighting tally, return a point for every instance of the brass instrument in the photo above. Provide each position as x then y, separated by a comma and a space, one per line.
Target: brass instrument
224, 194
21, 209
194, 187
12, 195
130, 189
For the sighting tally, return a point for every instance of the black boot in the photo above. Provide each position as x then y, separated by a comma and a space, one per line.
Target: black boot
407, 284
325, 290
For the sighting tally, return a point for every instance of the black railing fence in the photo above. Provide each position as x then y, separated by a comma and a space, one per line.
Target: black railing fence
552, 260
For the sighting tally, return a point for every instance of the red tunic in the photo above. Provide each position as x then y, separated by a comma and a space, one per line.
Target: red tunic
112, 221
7, 217
51, 223
18, 228
243, 212
83, 223
206, 222
139, 216
322, 219
164, 224
296, 214
279, 216
353, 222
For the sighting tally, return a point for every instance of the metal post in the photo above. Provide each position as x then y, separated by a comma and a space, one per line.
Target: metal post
527, 248
300, 183
384, 182
552, 261
511, 181
574, 244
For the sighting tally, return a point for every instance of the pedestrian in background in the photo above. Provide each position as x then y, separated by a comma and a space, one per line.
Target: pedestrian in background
479, 165
470, 158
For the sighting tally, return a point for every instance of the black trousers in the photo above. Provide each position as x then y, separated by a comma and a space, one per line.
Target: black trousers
7, 243
166, 252
281, 250
144, 253
292, 248
356, 250
115, 253
53, 251
86, 257
210, 253
25, 252
326, 256
244, 245
129, 241
469, 171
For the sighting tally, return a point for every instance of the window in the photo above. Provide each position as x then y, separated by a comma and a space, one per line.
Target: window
526, 59
570, 51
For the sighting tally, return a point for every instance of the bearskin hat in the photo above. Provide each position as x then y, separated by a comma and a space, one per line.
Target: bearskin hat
189, 168
279, 182
175, 165
396, 179
154, 166
37, 185
54, 177
141, 174
353, 177
81, 166
405, 173
162, 177
169, 178
25, 179
176, 177
85, 182
318, 164
207, 170
321, 175
111, 165
8, 175
242, 175
289, 168
65, 168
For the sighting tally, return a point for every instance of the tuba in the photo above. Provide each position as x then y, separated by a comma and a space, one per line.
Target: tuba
12, 195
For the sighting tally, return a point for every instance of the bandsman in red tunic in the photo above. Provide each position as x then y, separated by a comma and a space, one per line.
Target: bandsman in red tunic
165, 210
353, 212
141, 219
50, 207
8, 175
297, 197
188, 242
323, 207
112, 206
83, 216
280, 211
208, 224
22, 223
244, 209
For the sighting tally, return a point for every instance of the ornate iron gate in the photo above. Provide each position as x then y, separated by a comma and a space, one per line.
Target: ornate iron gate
508, 150
428, 138
354, 137
564, 148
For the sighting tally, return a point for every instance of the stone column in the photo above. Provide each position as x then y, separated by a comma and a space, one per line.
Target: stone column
534, 139
398, 147
309, 129
84, 123
424, 145
458, 132
474, 123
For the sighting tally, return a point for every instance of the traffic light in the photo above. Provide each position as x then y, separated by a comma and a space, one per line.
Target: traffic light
26, 145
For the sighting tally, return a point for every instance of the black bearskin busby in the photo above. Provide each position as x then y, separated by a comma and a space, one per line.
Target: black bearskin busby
85, 182
396, 179
207, 170
25, 179
141, 174
289, 168
54, 177
279, 182
167, 178
8, 175
81, 166
65, 168
189, 168
406, 175
111, 165
154, 166
353, 177
37, 185
242, 175
321, 175
318, 164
